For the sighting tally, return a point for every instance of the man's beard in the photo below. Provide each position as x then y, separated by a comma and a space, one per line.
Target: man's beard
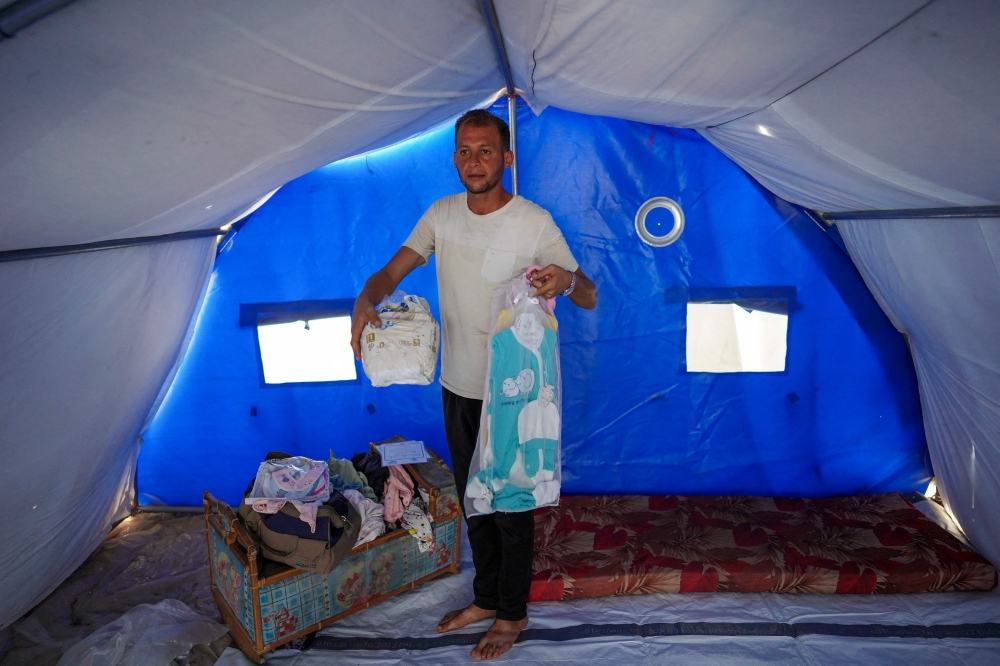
486, 186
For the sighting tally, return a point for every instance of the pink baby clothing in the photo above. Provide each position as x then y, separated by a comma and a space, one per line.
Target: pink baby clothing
398, 493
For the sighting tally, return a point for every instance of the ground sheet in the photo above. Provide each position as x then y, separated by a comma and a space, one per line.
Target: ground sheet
153, 557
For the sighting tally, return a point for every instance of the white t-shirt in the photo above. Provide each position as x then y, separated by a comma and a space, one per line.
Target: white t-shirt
475, 255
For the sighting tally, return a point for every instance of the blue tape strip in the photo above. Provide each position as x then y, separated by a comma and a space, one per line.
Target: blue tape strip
736, 629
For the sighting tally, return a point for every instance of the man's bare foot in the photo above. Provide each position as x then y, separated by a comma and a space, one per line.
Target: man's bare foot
499, 638
459, 618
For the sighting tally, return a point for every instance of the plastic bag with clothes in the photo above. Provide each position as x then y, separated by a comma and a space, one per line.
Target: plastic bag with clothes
147, 635
300, 481
516, 466
294, 478
404, 349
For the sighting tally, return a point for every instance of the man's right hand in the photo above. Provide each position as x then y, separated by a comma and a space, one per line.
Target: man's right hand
380, 284
364, 314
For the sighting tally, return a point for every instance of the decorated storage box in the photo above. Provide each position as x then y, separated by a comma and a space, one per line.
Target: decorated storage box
266, 605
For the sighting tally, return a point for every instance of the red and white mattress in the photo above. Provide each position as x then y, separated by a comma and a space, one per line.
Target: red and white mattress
600, 546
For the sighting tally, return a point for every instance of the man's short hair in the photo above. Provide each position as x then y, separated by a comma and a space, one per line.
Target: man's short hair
483, 118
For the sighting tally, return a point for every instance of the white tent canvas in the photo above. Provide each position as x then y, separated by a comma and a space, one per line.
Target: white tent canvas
132, 119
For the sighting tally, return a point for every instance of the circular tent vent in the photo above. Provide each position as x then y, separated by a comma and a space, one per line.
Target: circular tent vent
672, 235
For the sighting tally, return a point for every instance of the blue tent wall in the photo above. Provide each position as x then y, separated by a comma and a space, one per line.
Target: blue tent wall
844, 418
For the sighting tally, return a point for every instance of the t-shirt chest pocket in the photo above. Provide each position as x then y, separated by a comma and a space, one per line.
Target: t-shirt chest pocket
498, 266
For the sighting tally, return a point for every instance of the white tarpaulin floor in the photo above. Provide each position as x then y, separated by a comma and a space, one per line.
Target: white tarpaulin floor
155, 557
146, 559
414, 615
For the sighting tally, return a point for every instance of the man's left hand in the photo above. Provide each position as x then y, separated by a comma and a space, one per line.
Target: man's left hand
551, 281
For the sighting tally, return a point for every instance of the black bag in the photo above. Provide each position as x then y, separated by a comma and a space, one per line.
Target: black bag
284, 537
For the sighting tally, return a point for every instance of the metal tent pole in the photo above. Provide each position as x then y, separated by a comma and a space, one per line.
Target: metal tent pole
169, 509
512, 121
493, 28
226, 232
39, 252
913, 213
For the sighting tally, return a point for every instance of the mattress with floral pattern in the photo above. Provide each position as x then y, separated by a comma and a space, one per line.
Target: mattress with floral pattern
614, 545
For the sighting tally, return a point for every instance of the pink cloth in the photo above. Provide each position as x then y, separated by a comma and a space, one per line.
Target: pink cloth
398, 493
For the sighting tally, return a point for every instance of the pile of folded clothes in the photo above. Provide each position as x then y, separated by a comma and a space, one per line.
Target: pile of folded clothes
295, 517
330, 508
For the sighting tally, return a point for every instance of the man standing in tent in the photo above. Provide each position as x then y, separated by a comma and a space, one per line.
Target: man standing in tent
467, 231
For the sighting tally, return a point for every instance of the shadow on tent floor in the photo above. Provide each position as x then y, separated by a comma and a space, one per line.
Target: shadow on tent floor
414, 614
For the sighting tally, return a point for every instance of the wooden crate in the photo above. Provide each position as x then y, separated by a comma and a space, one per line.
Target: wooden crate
265, 611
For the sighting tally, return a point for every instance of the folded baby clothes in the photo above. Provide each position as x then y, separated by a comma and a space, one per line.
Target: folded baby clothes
524, 420
372, 524
398, 493
522, 372
516, 463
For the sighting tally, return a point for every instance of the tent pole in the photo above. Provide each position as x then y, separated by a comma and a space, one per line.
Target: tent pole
912, 213
169, 509
512, 121
493, 28
60, 250
225, 232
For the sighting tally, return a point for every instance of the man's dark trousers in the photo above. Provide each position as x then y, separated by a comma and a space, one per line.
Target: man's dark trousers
502, 543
